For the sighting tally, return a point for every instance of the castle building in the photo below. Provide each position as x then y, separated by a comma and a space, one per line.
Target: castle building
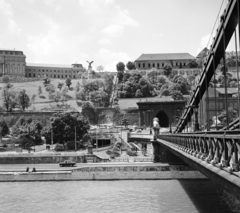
53, 71
12, 62
159, 60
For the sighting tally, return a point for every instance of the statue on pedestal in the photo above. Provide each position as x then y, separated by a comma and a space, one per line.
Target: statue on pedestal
156, 126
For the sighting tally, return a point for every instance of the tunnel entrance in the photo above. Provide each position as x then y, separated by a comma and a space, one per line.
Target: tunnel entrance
163, 119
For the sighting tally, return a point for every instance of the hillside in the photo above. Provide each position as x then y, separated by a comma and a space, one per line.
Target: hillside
42, 101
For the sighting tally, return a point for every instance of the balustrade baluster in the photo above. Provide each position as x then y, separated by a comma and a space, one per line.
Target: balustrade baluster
225, 154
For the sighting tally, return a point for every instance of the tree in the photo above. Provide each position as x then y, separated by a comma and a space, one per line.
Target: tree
64, 126
50, 88
23, 99
100, 68
56, 96
232, 115
120, 70
167, 69
120, 66
10, 98
78, 87
176, 95
192, 64
68, 82
4, 130
81, 95
6, 79
87, 105
26, 143
138, 94
46, 81
39, 90
60, 85
165, 92
131, 65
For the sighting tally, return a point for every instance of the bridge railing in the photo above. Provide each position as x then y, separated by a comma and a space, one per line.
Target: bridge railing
221, 150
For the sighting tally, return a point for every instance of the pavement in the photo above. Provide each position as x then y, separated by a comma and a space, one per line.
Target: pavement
56, 167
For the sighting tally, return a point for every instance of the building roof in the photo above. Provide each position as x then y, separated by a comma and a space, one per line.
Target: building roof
126, 103
7, 49
48, 65
165, 56
221, 90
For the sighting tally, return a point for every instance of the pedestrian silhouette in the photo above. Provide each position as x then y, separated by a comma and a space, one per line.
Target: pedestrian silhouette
27, 169
34, 170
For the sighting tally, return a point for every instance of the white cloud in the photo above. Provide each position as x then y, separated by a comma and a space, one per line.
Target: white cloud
206, 41
157, 35
110, 59
94, 6
14, 28
7, 11
103, 41
113, 30
107, 16
53, 47
123, 17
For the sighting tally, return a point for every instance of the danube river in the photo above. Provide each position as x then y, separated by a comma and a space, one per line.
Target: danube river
164, 196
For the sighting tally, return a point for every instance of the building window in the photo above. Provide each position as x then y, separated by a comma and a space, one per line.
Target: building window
162, 64
29, 74
65, 76
153, 65
149, 65
139, 65
143, 65
34, 75
158, 65
74, 76
176, 64
54, 76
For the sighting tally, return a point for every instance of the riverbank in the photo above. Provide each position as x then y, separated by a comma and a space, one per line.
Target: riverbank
105, 172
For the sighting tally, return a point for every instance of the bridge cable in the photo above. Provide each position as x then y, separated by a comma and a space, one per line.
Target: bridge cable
225, 72
207, 102
237, 62
215, 91
215, 22
235, 35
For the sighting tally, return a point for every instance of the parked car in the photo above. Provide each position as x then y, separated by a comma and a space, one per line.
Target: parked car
67, 163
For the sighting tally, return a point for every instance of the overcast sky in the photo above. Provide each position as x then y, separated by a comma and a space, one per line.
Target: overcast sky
105, 31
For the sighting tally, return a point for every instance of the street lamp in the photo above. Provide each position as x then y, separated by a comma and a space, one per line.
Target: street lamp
196, 124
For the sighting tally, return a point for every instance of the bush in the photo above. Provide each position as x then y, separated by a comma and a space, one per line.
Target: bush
4, 128
131, 153
59, 147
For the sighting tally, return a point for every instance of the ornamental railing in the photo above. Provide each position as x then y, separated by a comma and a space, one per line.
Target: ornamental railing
221, 150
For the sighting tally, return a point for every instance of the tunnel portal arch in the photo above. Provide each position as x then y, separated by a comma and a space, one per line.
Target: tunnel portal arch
163, 119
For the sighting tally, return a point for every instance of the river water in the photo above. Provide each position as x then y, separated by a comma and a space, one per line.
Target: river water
164, 196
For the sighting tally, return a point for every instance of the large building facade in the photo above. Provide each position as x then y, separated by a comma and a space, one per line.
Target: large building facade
53, 71
159, 60
13, 63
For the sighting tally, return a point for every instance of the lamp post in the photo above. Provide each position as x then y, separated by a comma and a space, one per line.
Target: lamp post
75, 138
0, 134
196, 124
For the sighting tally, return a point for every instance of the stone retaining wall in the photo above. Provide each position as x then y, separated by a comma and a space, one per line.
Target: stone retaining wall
108, 173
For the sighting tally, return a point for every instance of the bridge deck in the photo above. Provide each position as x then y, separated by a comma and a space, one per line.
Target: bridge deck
229, 180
